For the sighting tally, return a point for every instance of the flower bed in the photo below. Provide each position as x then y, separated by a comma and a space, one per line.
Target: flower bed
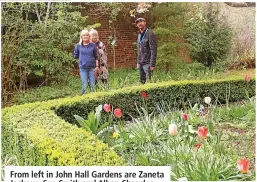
39, 137
191, 142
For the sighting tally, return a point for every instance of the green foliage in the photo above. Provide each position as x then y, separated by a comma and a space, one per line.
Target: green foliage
9, 160
38, 39
39, 137
49, 47
93, 123
36, 136
179, 94
213, 161
168, 24
44, 93
242, 113
123, 78
209, 36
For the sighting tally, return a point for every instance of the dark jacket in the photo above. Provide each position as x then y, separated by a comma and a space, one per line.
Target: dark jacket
87, 55
147, 48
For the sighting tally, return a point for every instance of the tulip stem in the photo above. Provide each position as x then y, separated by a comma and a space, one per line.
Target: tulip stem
175, 142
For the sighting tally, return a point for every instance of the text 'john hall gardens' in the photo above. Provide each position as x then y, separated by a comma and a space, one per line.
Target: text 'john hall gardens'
86, 174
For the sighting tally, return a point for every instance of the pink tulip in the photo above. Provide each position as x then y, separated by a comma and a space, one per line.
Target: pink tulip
107, 107
117, 113
202, 132
247, 78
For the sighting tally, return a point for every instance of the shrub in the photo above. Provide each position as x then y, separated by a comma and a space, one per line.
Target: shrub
38, 137
209, 36
168, 24
179, 93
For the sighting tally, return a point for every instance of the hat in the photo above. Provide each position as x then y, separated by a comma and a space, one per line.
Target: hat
139, 19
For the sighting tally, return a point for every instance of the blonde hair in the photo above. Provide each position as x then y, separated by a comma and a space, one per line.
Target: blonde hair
93, 31
85, 31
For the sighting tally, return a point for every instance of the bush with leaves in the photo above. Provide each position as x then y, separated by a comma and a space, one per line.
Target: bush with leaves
168, 24
38, 40
209, 36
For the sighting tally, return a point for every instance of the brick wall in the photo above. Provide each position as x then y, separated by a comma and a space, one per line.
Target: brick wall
126, 32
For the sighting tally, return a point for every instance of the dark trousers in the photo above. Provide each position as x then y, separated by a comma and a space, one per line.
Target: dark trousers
145, 73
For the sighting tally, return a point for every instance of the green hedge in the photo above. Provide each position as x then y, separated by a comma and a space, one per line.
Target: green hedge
37, 136
177, 94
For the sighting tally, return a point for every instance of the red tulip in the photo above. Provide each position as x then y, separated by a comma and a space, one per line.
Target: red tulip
247, 78
144, 95
202, 132
107, 107
185, 117
117, 113
198, 145
243, 165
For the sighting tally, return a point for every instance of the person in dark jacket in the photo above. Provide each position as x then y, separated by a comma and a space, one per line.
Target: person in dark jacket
86, 52
147, 50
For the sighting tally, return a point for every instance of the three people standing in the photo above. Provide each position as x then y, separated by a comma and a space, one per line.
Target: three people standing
93, 61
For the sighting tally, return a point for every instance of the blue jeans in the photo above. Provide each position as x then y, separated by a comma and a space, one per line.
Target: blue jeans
145, 72
85, 75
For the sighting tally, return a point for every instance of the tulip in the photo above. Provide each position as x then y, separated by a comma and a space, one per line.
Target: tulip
247, 78
243, 165
115, 135
207, 100
107, 107
198, 145
117, 113
144, 95
202, 132
173, 130
185, 117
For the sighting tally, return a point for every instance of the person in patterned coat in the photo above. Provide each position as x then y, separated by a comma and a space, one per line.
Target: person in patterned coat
100, 72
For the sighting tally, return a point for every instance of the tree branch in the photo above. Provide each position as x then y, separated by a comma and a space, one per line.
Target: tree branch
47, 12
38, 16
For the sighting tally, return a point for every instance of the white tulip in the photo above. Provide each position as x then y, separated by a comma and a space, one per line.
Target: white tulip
207, 100
173, 130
